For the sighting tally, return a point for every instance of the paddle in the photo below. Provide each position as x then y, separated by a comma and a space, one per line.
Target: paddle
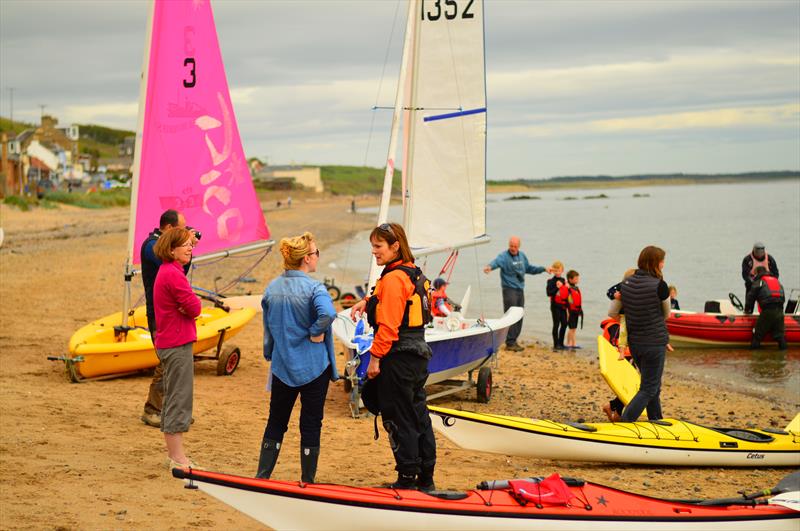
790, 483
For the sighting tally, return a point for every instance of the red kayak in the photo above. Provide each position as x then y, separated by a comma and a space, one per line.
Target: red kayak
553, 503
723, 330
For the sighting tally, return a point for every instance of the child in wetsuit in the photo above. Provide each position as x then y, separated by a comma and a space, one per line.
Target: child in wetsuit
558, 307
574, 306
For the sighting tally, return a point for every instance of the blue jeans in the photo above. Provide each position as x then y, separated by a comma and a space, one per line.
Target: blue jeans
513, 297
650, 360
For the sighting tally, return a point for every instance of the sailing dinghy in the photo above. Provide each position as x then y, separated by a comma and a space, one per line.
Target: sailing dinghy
441, 101
188, 157
568, 504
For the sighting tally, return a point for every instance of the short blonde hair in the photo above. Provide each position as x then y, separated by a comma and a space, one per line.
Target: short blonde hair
294, 249
557, 265
629, 273
169, 240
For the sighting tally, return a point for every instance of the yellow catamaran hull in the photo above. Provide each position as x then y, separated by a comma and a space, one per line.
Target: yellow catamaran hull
94, 351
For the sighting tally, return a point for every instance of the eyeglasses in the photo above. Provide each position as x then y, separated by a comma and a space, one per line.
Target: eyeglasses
190, 245
314, 253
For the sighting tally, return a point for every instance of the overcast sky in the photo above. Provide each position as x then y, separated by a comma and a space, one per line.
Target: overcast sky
574, 87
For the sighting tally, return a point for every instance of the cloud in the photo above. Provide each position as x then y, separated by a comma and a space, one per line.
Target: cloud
780, 116
120, 115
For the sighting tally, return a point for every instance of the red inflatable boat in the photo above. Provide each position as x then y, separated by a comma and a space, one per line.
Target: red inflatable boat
724, 324
721, 330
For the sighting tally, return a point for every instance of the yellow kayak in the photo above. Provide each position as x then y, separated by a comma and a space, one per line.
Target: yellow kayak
662, 442
95, 352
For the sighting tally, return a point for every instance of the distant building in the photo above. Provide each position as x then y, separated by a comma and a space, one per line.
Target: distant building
115, 164
309, 177
47, 151
127, 147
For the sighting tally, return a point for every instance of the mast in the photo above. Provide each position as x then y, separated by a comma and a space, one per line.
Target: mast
383, 211
137, 159
410, 95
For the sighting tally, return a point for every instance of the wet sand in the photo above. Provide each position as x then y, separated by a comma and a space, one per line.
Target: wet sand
76, 456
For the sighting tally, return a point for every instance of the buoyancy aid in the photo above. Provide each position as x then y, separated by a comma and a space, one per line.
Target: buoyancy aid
756, 262
773, 293
560, 297
574, 299
436, 296
610, 328
417, 313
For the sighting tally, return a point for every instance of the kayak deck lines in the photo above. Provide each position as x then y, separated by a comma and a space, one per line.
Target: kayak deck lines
665, 442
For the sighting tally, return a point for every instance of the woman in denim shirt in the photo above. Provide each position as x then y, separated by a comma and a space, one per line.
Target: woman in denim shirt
298, 313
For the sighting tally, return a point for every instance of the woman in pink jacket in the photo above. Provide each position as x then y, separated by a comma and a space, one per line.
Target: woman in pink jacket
176, 307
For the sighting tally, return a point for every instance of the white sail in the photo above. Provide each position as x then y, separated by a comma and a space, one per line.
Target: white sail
445, 157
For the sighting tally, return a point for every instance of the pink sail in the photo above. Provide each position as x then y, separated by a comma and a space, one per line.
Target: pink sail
191, 154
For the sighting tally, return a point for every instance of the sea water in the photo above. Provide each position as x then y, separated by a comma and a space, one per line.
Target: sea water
705, 229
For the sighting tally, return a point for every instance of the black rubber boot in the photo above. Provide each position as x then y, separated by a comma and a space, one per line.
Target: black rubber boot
308, 463
269, 456
425, 480
404, 481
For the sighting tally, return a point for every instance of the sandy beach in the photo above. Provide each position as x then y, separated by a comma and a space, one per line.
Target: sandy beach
76, 456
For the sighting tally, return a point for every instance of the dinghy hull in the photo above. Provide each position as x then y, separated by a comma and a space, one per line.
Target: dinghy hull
292, 505
103, 356
455, 352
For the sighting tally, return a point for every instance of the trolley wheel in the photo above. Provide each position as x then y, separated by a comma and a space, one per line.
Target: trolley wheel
334, 292
347, 300
736, 302
484, 385
228, 360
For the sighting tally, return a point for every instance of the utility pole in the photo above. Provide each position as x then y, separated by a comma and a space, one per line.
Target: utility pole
11, 104
41, 115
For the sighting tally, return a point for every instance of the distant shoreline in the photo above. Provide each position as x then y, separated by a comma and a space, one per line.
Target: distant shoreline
494, 187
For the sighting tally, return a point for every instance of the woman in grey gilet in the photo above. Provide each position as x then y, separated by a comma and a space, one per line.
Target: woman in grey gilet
645, 298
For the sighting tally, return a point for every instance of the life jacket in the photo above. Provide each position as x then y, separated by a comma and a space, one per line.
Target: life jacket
574, 299
756, 262
560, 297
436, 296
610, 328
773, 293
418, 307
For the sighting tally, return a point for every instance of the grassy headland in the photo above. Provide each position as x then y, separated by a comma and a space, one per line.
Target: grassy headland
357, 180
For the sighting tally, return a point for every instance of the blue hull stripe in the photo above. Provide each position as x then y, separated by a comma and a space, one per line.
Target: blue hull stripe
453, 114
451, 353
